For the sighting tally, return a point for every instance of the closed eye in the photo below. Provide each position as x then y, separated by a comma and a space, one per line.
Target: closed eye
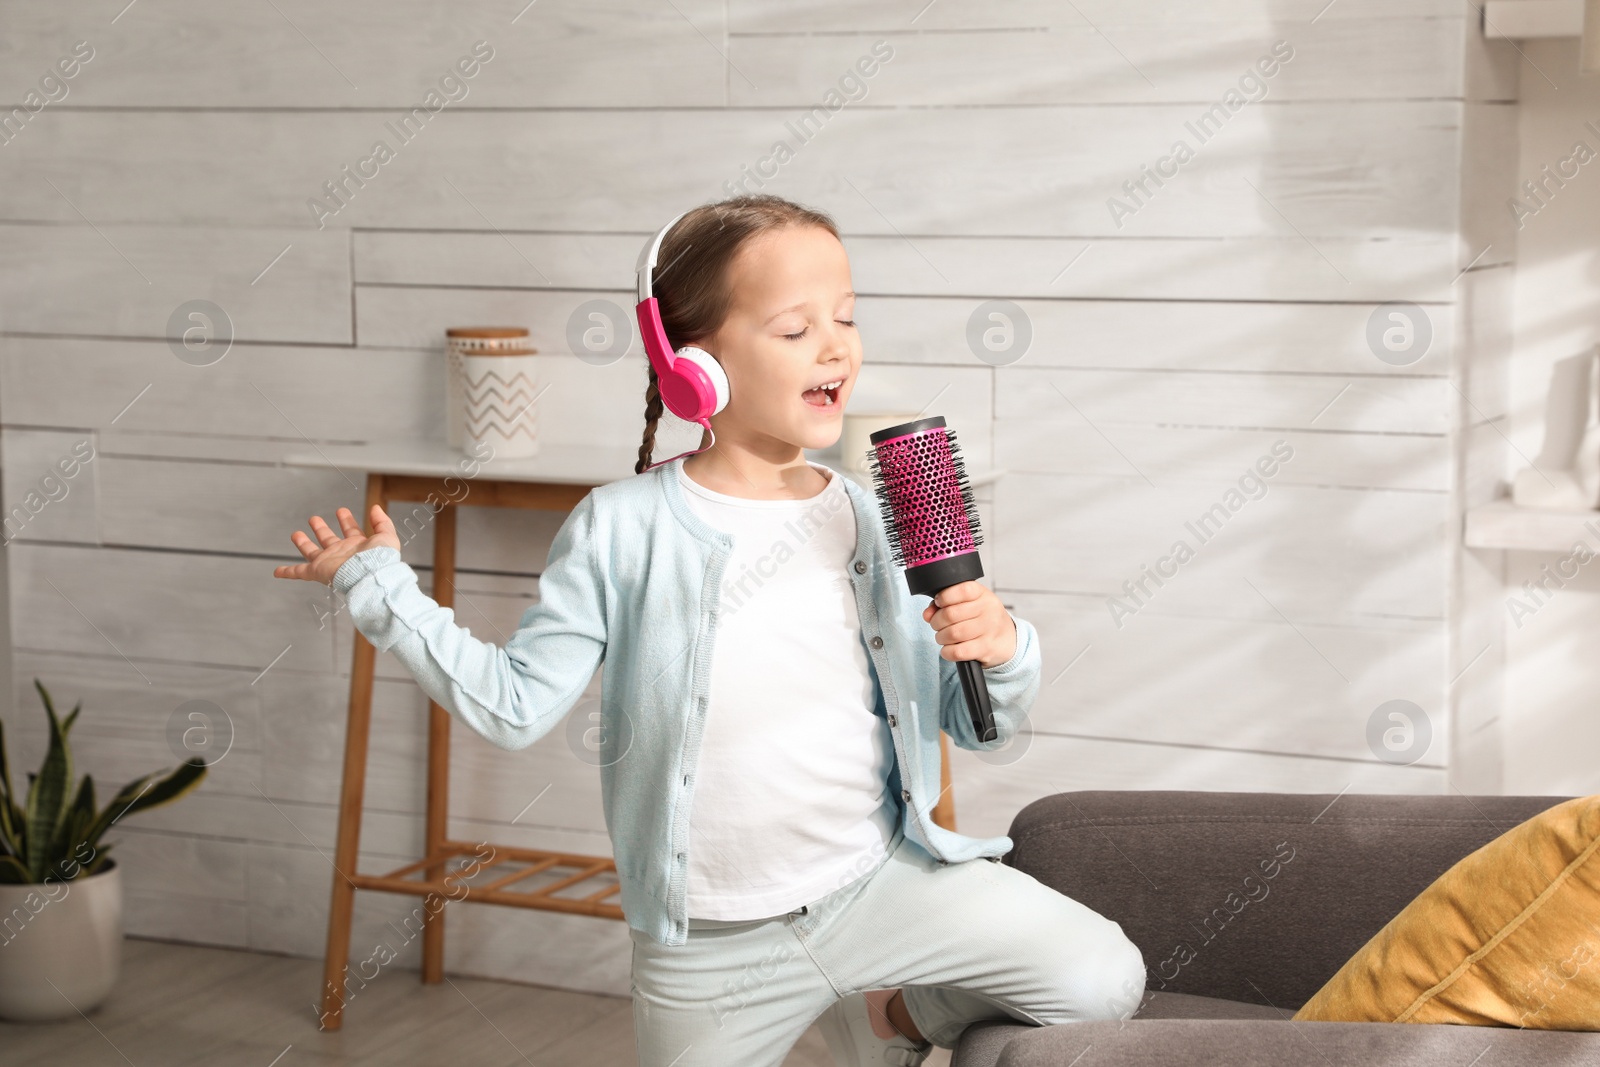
802, 333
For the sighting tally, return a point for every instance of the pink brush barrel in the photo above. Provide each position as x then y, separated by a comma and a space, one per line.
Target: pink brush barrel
932, 527
928, 512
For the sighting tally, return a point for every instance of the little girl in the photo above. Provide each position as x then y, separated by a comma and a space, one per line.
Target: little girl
772, 700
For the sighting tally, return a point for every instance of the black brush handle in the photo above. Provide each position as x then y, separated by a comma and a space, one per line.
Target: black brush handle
976, 690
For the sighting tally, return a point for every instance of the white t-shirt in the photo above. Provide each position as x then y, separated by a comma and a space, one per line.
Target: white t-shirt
791, 795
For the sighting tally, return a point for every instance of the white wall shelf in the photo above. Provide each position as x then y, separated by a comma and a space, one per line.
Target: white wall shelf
1503, 524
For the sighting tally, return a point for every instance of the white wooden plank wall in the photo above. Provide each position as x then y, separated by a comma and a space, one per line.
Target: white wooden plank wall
1168, 354
1551, 734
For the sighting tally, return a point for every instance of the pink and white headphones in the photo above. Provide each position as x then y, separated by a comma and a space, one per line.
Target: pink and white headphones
692, 383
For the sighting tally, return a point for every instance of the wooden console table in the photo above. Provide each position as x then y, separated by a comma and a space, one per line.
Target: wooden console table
556, 480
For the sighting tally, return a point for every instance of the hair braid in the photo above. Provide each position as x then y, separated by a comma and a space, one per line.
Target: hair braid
653, 408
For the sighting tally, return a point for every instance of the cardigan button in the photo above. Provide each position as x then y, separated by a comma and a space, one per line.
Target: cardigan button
893, 721
876, 642
905, 795
861, 566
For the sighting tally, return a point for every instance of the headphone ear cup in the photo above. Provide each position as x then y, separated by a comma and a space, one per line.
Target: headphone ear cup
714, 372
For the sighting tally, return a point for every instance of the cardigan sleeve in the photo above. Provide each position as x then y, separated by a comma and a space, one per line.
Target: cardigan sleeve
514, 695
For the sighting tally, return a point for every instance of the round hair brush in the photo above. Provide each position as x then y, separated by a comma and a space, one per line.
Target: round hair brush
932, 526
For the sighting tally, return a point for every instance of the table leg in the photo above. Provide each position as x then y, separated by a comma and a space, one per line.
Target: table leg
347, 851
444, 592
944, 811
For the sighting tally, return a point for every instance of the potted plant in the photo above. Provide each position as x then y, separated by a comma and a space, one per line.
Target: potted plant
60, 893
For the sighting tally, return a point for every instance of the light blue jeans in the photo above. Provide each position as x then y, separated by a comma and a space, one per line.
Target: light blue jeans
966, 941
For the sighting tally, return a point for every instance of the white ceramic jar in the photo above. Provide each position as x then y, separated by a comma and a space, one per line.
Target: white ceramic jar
462, 343
855, 442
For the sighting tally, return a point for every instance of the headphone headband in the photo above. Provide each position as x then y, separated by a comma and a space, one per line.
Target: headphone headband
646, 265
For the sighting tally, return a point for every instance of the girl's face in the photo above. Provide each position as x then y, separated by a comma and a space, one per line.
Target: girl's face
789, 330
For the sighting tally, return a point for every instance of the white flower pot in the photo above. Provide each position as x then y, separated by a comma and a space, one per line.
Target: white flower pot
60, 946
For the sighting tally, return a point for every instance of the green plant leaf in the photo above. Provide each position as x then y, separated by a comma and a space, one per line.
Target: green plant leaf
99, 861
13, 837
72, 717
12, 872
79, 817
141, 794
5, 766
47, 797
44, 695
11, 818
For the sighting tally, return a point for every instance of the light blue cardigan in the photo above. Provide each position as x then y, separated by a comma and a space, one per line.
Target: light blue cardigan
633, 581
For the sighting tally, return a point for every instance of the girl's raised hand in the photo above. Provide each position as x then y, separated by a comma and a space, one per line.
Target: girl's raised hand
329, 550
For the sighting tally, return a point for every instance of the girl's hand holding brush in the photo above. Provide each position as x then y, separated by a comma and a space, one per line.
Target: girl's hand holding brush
329, 550
972, 624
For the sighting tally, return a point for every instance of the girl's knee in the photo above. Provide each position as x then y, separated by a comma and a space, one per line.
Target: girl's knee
1125, 977
1107, 979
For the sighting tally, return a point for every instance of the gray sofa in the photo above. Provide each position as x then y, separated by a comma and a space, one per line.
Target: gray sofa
1244, 904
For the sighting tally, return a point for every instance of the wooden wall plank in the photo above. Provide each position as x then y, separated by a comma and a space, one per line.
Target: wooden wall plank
1168, 454
1489, 180
964, 267
1253, 271
1300, 401
190, 54
175, 608
818, 16
1244, 684
49, 480
896, 323
1150, 335
595, 956
988, 796
1069, 60
165, 914
279, 781
207, 868
1290, 269
114, 280
202, 502
263, 392
1354, 170
1328, 555
506, 260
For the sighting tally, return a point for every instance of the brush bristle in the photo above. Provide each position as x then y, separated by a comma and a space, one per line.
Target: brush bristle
924, 497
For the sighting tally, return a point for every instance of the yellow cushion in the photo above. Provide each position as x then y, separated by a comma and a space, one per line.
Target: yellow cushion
1509, 936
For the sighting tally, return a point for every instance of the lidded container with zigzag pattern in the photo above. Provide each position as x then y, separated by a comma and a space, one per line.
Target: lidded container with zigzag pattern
491, 384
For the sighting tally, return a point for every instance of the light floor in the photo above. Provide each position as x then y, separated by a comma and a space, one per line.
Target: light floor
187, 1006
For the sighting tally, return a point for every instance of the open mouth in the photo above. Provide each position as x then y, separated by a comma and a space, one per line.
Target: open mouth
823, 396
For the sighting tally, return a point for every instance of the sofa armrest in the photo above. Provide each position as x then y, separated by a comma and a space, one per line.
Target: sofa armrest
1231, 1043
1254, 897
